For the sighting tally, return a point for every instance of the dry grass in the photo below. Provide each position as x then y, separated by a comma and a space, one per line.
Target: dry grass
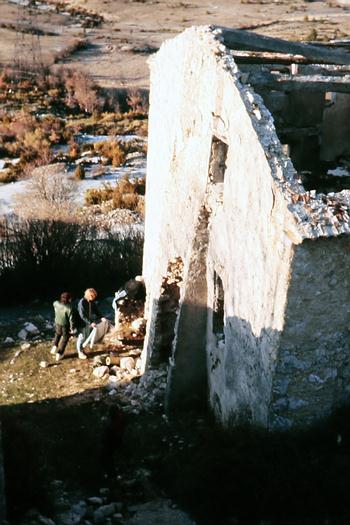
7, 176
114, 152
126, 194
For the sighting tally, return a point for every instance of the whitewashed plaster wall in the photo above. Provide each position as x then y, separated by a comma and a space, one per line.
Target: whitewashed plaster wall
248, 246
256, 221
180, 133
251, 252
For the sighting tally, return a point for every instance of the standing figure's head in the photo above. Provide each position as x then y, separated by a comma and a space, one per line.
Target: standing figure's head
65, 298
90, 294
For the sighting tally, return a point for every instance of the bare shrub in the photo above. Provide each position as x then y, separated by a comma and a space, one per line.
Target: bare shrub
127, 194
74, 149
137, 101
40, 256
128, 201
312, 36
81, 92
50, 194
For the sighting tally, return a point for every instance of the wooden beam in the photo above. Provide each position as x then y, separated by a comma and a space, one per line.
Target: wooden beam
299, 82
261, 57
324, 69
238, 39
328, 70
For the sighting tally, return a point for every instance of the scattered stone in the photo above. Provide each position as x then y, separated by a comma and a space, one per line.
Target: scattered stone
112, 392
22, 334
313, 378
31, 329
295, 404
135, 353
127, 363
9, 340
103, 512
43, 364
138, 324
42, 520
95, 500
97, 361
100, 371
158, 512
73, 516
104, 491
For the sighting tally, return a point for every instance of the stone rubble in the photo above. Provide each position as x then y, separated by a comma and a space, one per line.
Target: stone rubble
316, 215
98, 511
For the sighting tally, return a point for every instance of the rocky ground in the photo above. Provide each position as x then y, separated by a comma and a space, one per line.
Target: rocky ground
88, 443
109, 382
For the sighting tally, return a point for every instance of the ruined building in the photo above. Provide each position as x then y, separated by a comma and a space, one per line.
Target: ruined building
247, 249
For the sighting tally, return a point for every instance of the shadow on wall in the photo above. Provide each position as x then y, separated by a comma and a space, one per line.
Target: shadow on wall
223, 357
203, 348
247, 378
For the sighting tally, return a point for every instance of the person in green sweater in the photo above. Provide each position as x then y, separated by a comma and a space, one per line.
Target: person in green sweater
64, 324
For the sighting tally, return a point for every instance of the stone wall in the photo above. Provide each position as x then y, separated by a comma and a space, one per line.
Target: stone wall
336, 127
246, 242
313, 366
224, 200
180, 123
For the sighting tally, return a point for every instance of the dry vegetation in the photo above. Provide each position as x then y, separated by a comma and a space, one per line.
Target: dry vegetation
126, 194
50, 108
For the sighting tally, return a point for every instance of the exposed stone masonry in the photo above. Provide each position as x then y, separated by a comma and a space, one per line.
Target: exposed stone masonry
269, 251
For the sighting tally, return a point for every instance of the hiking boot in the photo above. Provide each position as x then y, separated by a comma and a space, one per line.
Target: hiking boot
53, 350
58, 356
81, 355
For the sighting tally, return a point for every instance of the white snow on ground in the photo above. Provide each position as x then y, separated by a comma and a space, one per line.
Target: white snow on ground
85, 138
20, 2
339, 172
10, 194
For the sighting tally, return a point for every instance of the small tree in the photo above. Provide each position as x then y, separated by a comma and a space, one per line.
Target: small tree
50, 194
79, 172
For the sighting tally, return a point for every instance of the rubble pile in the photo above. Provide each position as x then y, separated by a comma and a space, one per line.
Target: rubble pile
168, 305
103, 510
121, 371
323, 214
104, 217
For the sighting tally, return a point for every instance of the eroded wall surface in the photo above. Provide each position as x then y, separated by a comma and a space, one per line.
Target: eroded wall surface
248, 244
180, 124
234, 264
313, 369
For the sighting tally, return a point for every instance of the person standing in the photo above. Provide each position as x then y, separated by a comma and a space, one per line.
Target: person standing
64, 324
134, 290
89, 316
